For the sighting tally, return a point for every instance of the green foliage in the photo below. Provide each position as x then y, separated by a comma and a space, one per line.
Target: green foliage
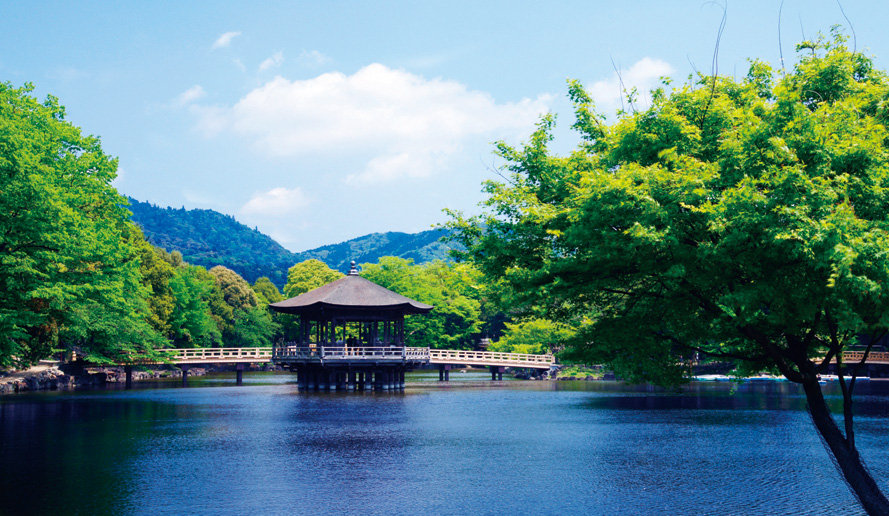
235, 290
244, 322
69, 268
192, 323
743, 221
739, 220
451, 288
534, 336
266, 291
156, 275
308, 275
423, 247
209, 238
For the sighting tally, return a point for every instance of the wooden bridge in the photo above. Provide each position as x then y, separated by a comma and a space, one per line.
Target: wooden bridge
360, 358
335, 353
873, 358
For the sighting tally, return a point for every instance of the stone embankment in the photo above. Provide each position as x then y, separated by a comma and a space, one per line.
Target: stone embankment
536, 374
52, 378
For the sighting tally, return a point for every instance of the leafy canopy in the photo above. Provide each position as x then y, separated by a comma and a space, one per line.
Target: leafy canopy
452, 289
746, 220
738, 220
308, 275
69, 260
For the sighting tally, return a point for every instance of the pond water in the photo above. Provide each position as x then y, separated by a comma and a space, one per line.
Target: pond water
469, 447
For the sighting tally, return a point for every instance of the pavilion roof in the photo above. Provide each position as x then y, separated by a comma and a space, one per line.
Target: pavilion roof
350, 293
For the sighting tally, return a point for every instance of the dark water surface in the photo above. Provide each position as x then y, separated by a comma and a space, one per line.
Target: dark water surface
473, 447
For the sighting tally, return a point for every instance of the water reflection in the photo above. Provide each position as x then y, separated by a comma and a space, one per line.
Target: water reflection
472, 447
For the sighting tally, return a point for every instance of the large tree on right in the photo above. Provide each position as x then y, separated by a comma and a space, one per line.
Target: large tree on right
733, 220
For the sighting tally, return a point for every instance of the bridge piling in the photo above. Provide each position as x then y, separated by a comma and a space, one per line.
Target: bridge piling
185, 368
240, 374
128, 370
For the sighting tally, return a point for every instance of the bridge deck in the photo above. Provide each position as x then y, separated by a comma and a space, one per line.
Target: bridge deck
342, 354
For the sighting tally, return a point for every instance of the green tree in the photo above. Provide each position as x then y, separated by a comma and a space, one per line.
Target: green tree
534, 336
266, 291
192, 323
69, 267
308, 275
734, 220
250, 325
156, 274
451, 288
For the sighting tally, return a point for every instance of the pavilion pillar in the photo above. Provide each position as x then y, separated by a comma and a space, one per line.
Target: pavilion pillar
401, 379
311, 381
128, 371
300, 371
350, 383
185, 369
368, 380
331, 381
378, 380
240, 374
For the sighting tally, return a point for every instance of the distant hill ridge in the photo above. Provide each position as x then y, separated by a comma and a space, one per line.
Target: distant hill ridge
209, 238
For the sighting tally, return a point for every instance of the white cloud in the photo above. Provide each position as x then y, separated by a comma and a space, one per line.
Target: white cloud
274, 61
644, 75
404, 125
190, 95
276, 202
225, 39
312, 58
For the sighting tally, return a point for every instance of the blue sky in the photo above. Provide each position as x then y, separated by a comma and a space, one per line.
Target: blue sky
319, 122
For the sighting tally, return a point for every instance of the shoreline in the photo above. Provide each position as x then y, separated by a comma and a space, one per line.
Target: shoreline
48, 376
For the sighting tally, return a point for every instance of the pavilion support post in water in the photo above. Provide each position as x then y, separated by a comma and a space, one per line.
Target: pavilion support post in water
350, 384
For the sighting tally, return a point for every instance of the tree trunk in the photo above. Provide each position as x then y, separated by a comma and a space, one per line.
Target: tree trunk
857, 477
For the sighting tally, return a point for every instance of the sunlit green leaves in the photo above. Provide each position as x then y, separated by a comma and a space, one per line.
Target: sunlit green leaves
743, 220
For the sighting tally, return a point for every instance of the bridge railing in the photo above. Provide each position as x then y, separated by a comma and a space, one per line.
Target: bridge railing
219, 354
850, 357
459, 356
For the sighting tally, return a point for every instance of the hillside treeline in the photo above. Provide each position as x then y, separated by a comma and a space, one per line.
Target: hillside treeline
209, 238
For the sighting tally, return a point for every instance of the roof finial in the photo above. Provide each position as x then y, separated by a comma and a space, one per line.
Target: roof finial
354, 270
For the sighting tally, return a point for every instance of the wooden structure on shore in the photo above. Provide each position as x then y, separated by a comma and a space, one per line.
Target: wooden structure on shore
351, 336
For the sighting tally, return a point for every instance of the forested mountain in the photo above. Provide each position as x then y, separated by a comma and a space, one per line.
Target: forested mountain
209, 238
421, 247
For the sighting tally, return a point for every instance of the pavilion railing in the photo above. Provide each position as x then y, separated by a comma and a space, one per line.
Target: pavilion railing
328, 353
